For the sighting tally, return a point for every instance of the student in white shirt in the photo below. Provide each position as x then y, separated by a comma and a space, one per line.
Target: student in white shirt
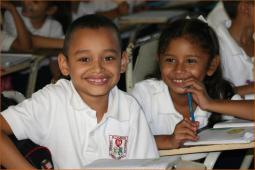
217, 15
88, 117
237, 45
236, 38
188, 55
109, 8
22, 40
37, 18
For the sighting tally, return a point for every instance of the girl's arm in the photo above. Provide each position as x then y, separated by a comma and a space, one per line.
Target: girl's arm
23, 41
238, 108
45, 42
245, 89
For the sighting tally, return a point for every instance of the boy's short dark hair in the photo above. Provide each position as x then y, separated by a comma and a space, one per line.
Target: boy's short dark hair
89, 21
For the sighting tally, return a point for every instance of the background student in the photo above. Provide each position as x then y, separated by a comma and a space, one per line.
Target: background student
88, 117
37, 16
235, 35
20, 42
188, 56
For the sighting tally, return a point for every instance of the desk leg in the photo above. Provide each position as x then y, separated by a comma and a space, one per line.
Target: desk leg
33, 75
211, 159
247, 159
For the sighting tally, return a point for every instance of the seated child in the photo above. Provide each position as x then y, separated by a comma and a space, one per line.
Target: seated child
188, 56
88, 117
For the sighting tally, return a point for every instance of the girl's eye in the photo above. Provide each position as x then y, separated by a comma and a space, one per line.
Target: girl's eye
109, 58
84, 59
191, 61
170, 60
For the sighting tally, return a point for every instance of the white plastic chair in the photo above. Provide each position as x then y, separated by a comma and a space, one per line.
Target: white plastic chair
145, 62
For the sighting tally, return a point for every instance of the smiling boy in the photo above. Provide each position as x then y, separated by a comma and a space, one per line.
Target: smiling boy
88, 117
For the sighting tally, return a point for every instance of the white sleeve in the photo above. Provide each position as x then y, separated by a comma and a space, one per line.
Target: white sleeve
143, 97
56, 30
8, 24
6, 41
32, 118
141, 143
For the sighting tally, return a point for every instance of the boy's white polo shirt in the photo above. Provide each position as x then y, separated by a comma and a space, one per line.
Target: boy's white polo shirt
57, 117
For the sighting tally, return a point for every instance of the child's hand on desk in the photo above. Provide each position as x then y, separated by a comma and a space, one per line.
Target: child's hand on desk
184, 131
199, 93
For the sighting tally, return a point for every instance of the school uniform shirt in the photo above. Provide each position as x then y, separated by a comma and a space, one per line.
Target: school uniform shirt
156, 102
57, 117
236, 64
217, 15
6, 41
51, 28
161, 115
92, 7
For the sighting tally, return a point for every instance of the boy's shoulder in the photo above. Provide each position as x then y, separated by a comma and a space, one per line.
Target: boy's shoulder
62, 87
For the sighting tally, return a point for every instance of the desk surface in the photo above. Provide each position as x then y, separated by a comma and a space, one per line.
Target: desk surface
206, 148
151, 17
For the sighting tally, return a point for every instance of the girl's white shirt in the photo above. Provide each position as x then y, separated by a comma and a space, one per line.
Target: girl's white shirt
154, 97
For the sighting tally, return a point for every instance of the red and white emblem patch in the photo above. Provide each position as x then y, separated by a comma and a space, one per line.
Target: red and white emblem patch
118, 146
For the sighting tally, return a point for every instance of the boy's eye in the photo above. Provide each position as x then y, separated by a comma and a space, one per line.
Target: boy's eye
191, 61
109, 58
84, 59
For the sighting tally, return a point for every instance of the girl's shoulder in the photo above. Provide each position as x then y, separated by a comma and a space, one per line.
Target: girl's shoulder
151, 85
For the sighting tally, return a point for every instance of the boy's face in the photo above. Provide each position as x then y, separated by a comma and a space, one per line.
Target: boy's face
94, 61
34, 9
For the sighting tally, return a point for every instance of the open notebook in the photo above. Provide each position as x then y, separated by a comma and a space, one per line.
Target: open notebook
224, 136
235, 123
160, 163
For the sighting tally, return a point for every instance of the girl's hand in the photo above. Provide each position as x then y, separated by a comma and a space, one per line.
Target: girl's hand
199, 93
184, 131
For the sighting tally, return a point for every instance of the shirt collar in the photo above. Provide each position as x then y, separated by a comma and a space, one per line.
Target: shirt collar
116, 105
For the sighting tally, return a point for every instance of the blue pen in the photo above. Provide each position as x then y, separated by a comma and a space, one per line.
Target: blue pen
191, 113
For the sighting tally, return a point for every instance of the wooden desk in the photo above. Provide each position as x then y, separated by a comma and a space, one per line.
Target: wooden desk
206, 148
214, 152
23, 61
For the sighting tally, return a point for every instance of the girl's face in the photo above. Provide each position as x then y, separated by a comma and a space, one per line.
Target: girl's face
182, 60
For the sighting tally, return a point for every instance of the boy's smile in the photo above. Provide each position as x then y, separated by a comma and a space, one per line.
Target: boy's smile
94, 61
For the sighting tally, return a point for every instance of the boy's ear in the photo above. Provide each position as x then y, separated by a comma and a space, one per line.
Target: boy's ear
63, 65
51, 10
215, 63
124, 62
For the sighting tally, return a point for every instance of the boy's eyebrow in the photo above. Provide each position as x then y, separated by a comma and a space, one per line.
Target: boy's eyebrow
105, 50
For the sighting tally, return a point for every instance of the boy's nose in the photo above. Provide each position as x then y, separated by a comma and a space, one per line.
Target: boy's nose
98, 66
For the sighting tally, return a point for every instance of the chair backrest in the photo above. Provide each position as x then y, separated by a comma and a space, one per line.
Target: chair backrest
144, 63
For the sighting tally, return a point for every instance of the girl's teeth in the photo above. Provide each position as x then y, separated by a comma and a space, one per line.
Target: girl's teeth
178, 81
